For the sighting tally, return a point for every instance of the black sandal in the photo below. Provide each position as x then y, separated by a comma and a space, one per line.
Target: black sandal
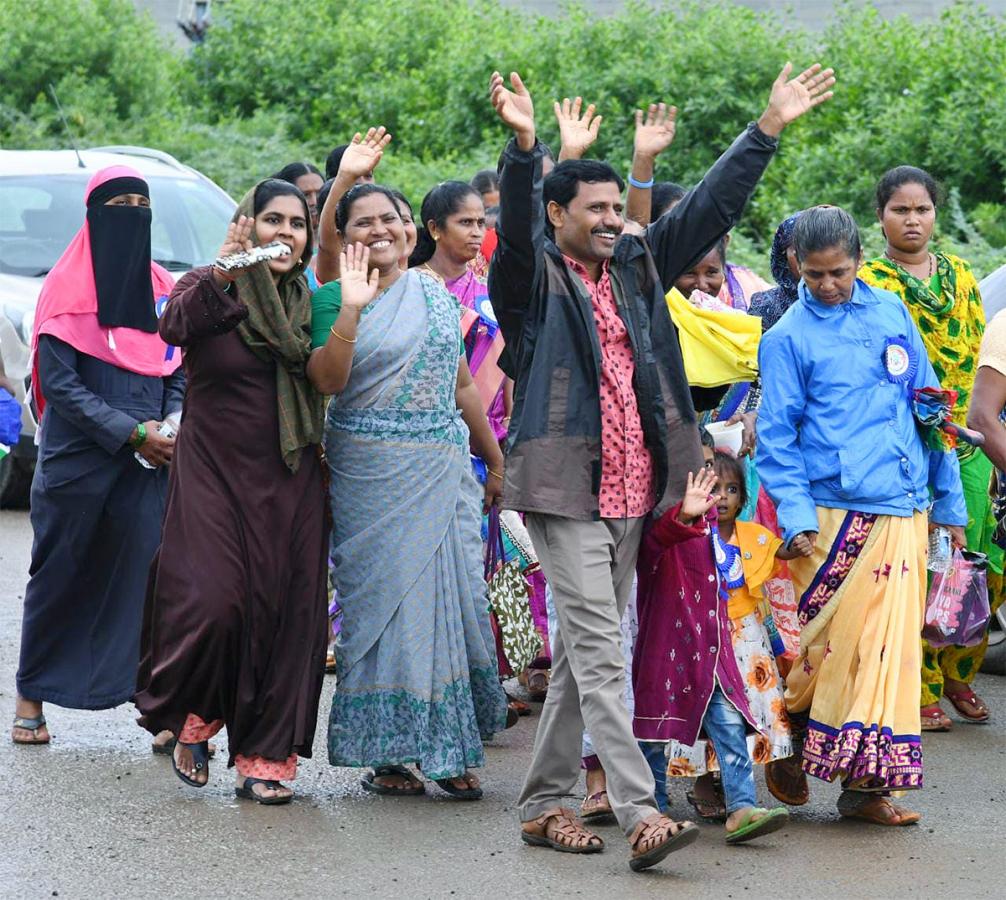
369, 784
32, 725
470, 793
168, 748
246, 792
200, 757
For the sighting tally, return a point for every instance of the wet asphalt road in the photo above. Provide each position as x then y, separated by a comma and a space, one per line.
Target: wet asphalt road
94, 815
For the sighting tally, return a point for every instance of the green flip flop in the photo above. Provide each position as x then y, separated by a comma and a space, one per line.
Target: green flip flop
771, 820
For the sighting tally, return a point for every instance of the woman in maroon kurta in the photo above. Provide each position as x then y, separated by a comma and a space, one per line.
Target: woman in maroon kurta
235, 623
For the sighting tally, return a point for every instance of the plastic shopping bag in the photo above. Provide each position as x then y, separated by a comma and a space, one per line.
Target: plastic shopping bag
957, 608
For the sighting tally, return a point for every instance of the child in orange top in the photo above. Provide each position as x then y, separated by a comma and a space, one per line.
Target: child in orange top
747, 555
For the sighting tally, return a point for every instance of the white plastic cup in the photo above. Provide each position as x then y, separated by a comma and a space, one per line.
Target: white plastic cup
727, 437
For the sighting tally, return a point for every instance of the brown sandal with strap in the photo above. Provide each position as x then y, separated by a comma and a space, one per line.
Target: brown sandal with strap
559, 829
876, 810
787, 781
968, 704
708, 807
537, 684
934, 718
596, 808
655, 837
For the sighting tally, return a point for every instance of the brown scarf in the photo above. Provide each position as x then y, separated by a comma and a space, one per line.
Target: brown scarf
278, 328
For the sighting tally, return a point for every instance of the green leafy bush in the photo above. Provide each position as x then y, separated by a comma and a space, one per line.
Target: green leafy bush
265, 89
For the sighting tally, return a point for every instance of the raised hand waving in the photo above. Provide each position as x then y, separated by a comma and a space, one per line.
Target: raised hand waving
364, 153
699, 497
238, 240
793, 97
576, 132
358, 287
655, 129
514, 107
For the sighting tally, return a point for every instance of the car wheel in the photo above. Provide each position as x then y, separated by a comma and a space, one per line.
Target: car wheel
995, 658
15, 482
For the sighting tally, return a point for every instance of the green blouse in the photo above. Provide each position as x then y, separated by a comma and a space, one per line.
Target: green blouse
326, 303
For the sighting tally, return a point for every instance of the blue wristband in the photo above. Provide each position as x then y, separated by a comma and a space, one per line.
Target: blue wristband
642, 185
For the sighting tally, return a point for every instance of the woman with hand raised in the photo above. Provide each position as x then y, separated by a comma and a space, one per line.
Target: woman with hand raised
235, 625
417, 676
358, 162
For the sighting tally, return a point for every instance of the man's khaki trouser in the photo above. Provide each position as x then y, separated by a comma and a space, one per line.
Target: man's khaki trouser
589, 567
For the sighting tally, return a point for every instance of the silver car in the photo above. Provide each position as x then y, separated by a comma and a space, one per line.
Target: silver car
41, 208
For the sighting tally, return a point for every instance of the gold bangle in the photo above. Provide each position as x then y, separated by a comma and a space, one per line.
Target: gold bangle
494, 474
340, 337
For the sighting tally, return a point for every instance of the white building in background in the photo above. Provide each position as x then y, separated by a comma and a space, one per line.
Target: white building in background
168, 13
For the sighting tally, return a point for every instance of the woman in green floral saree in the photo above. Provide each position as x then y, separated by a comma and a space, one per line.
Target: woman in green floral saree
942, 295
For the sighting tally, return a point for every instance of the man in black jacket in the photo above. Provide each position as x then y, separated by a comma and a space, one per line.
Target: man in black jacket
603, 430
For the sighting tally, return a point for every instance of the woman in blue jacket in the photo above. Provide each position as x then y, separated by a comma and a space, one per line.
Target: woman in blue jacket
842, 456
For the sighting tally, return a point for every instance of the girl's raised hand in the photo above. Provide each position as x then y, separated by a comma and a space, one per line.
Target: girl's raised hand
699, 494
358, 288
238, 240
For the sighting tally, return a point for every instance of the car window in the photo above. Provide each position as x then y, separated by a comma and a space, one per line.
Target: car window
38, 218
39, 215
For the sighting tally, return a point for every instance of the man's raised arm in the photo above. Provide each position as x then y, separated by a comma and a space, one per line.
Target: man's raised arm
518, 261
688, 231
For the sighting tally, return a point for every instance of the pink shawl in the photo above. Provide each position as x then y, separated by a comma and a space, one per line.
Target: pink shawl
68, 309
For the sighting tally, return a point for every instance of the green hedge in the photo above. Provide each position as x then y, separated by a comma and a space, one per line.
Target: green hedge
277, 82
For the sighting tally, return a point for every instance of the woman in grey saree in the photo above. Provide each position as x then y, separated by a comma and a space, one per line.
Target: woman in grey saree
417, 676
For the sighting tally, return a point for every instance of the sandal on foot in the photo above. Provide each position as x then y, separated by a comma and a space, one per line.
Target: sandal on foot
771, 820
595, 810
537, 685
33, 725
934, 718
709, 808
330, 667
968, 704
518, 706
657, 836
416, 787
863, 806
247, 792
168, 748
787, 781
559, 829
468, 793
200, 760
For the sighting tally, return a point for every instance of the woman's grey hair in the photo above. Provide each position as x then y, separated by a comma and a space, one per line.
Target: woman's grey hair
824, 227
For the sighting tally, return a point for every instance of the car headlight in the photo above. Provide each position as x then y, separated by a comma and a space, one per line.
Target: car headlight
22, 319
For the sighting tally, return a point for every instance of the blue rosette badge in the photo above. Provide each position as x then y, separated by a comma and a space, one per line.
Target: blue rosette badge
900, 360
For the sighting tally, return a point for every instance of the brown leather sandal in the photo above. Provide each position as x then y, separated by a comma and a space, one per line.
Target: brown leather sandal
655, 837
559, 829
714, 807
537, 684
934, 718
968, 704
875, 809
596, 808
787, 781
